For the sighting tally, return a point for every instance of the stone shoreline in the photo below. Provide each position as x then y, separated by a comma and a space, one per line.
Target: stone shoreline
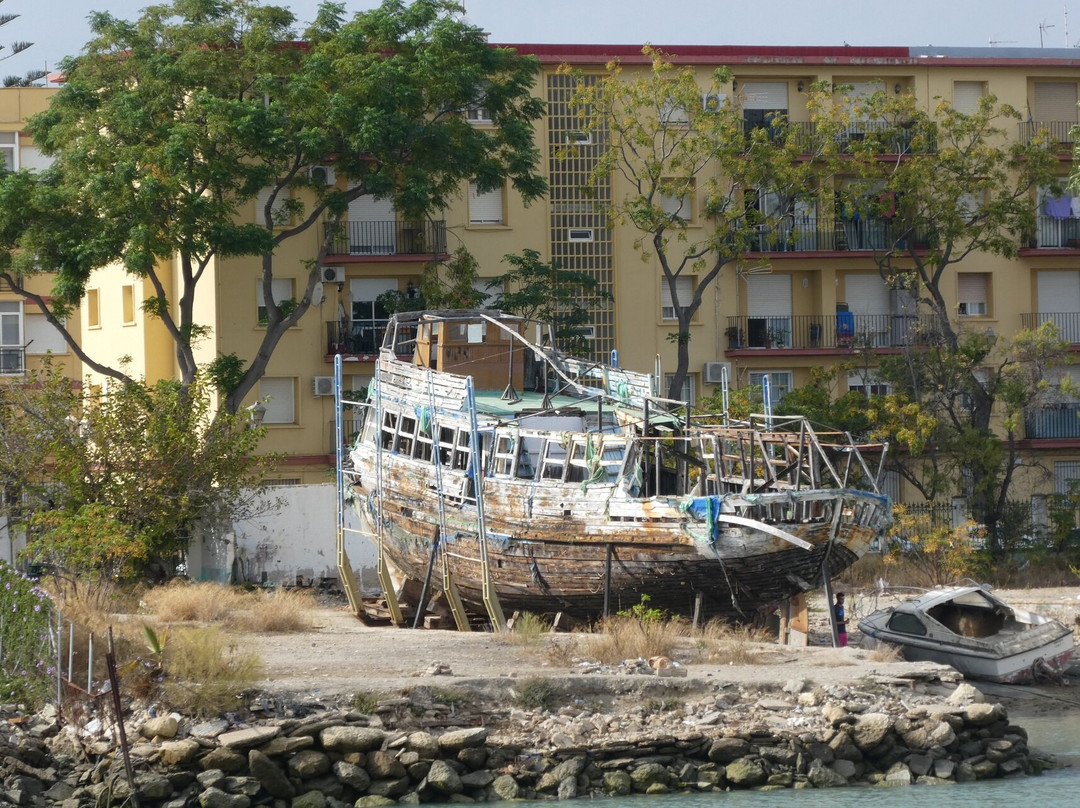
426, 747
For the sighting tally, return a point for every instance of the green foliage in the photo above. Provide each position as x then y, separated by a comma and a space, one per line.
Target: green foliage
27, 662
536, 694
205, 674
365, 701
450, 284
544, 291
643, 612
941, 553
225, 372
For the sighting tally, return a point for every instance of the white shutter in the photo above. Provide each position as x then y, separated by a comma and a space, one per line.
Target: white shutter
769, 295
279, 397
370, 288
971, 292
278, 213
1055, 101
684, 289
1059, 293
866, 294
42, 336
367, 208
764, 95
967, 95
11, 324
280, 288
487, 207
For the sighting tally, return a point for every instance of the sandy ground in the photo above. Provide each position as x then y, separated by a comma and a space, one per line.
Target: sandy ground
341, 656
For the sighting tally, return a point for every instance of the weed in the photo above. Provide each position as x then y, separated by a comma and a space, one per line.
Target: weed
365, 701
886, 652
562, 651
625, 637
205, 673
528, 629
536, 694
450, 698
182, 601
283, 610
642, 612
664, 705
25, 613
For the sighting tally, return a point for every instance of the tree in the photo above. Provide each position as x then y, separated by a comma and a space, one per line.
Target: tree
544, 291
951, 186
661, 147
168, 125
150, 467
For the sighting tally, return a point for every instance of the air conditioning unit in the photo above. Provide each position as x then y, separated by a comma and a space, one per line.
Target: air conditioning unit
711, 102
322, 175
333, 275
322, 385
714, 372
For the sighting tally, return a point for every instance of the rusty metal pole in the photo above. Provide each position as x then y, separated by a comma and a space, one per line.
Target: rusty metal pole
114, 685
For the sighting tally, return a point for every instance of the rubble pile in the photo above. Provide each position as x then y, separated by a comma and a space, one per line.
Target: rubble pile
423, 747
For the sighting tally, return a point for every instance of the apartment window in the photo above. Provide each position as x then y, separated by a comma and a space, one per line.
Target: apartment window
673, 113
677, 199
11, 337
280, 288
967, 95
780, 383
477, 114
278, 395
764, 103
689, 388
9, 149
972, 293
43, 337
579, 234
279, 212
127, 293
31, 158
867, 384
684, 291
485, 208
579, 138
93, 308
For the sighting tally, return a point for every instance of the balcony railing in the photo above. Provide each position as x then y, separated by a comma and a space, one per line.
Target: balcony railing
390, 238
365, 337
896, 141
1052, 232
811, 233
1055, 421
12, 361
1068, 323
1060, 133
350, 430
842, 331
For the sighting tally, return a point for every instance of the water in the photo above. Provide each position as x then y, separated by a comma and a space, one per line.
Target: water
1058, 735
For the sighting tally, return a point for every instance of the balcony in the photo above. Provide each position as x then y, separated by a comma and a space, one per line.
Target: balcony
1068, 323
350, 431
1056, 233
817, 234
844, 331
365, 338
1060, 133
389, 238
1060, 421
12, 361
896, 140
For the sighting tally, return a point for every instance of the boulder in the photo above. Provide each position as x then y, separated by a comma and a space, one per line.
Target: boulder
504, 787
384, 766
310, 799
898, 775
351, 739
824, 777
944, 768
270, 776
229, 761
424, 744
568, 789
981, 715
444, 779
645, 776
458, 739
870, 729
745, 772
568, 768
216, 798
373, 801
355, 777
245, 738
845, 768
152, 786
966, 693
481, 778
389, 788
177, 753
725, 750
617, 783
163, 726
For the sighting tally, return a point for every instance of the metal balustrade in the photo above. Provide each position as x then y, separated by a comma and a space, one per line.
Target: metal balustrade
1054, 421
390, 238
12, 361
1059, 133
365, 337
819, 234
1051, 232
842, 331
1068, 323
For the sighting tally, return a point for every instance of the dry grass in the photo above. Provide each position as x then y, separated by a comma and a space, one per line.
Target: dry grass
886, 652
528, 630
281, 611
622, 638
205, 672
185, 602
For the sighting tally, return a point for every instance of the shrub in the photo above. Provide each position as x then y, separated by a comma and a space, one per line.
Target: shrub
365, 701
282, 610
536, 694
25, 614
528, 629
183, 601
205, 674
624, 637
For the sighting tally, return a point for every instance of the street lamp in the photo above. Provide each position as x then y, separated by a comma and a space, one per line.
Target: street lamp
256, 413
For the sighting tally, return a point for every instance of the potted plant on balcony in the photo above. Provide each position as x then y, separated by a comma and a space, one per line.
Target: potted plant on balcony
734, 336
774, 338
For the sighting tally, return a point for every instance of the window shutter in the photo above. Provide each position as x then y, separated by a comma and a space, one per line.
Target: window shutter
684, 288
764, 95
279, 213
1055, 101
966, 96
487, 207
281, 403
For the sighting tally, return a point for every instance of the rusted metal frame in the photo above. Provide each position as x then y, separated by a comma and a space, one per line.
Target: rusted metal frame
382, 566
491, 597
345, 570
114, 684
607, 580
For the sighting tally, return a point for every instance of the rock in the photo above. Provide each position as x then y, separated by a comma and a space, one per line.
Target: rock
389, 788
920, 765
350, 774
270, 776
424, 744
310, 763
227, 760
1000, 750
944, 768
209, 729
211, 778
617, 783
351, 739
177, 753
824, 777
458, 739
870, 729
164, 726
244, 738
153, 786
966, 693
981, 715
241, 785
505, 787
835, 714
725, 750
216, 798
568, 789
373, 801
444, 779
568, 768
477, 779
794, 686
474, 757
984, 769
745, 772
287, 746
845, 768
310, 799
898, 775
645, 776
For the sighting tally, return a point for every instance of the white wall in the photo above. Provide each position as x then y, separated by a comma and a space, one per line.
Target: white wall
296, 539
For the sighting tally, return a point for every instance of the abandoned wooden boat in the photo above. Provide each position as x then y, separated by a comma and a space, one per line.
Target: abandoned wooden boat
975, 632
590, 491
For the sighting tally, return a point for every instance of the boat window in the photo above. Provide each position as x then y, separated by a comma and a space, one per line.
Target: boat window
904, 623
961, 617
553, 462
446, 445
506, 451
406, 434
577, 472
461, 450
423, 445
389, 431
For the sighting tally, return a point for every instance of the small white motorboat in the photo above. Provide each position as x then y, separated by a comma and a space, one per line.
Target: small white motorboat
975, 632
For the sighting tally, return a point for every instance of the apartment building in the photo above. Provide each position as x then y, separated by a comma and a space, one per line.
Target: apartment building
809, 300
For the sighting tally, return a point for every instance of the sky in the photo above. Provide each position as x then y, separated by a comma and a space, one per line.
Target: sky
59, 27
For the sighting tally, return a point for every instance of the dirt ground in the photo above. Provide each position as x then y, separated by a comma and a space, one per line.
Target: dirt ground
340, 655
